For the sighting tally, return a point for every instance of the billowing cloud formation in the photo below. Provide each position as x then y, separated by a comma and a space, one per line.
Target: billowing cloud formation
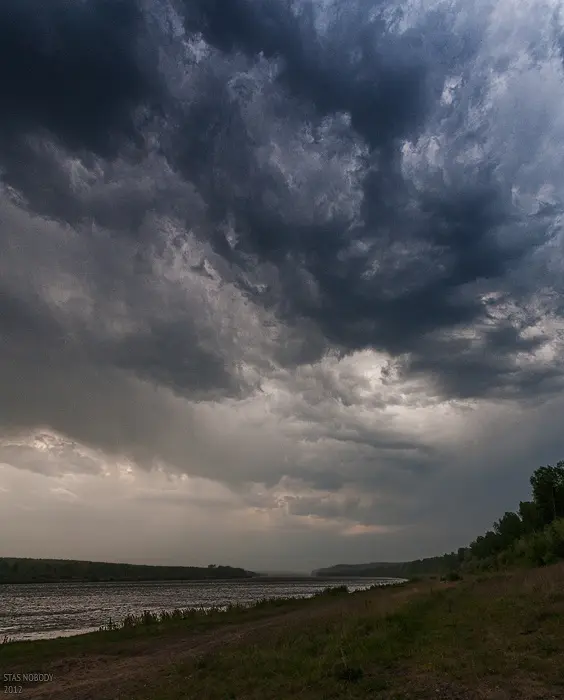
291, 246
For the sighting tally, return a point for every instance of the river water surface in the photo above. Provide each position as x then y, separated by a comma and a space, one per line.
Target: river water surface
36, 611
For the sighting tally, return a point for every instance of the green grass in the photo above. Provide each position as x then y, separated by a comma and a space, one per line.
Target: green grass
475, 637
498, 636
351, 656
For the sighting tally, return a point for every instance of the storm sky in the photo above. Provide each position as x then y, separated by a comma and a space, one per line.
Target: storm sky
281, 281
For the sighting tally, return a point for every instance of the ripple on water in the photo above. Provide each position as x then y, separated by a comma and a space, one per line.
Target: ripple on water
45, 611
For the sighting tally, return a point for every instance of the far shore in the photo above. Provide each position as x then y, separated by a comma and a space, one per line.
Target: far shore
245, 580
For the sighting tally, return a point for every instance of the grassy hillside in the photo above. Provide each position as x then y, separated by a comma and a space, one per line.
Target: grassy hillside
13, 570
495, 637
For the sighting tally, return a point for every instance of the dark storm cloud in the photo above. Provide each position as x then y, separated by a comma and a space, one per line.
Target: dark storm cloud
149, 342
428, 254
78, 353
490, 369
357, 65
287, 144
75, 69
77, 75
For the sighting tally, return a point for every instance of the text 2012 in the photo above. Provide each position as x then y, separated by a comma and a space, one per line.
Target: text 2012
13, 689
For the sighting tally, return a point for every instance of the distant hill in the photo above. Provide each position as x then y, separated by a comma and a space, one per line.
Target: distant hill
285, 574
15, 570
402, 569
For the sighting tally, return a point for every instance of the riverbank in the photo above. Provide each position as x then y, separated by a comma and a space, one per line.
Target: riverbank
497, 638
45, 611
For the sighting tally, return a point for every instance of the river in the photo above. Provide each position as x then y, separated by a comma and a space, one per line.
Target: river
41, 611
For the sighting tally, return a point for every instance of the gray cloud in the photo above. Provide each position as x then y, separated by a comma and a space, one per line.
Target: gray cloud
294, 244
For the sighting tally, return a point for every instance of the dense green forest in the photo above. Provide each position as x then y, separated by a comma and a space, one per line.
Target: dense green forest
531, 536
56, 570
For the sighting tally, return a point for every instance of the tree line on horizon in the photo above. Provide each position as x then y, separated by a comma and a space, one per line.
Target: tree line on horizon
20, 570
531, 536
